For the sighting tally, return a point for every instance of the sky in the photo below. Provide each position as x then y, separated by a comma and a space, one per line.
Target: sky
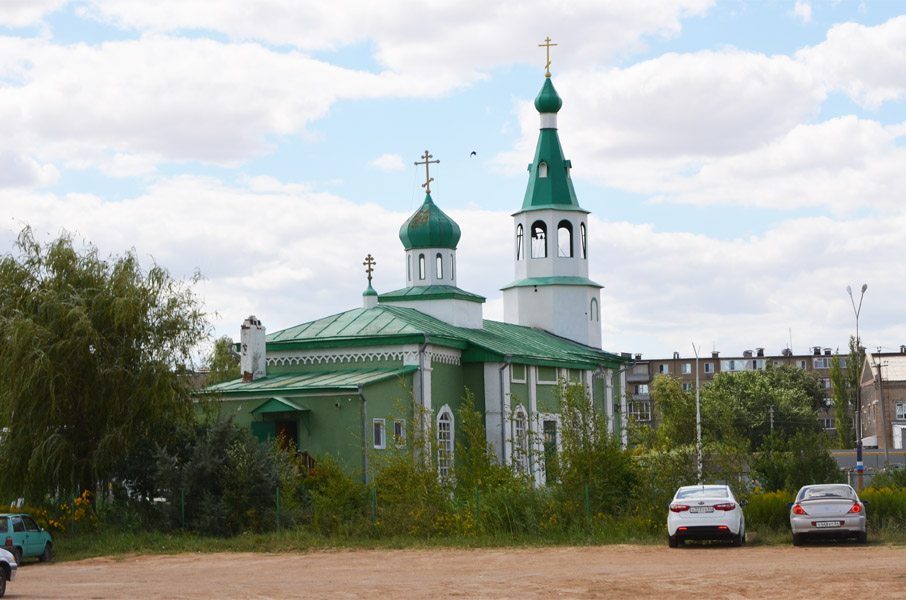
743, 161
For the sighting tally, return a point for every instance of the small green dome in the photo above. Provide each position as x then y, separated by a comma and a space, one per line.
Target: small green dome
548, 101
429, 227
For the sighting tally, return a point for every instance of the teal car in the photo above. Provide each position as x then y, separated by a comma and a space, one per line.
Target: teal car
23, 538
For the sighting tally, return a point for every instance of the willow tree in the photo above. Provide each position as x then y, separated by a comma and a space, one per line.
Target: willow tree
87, 361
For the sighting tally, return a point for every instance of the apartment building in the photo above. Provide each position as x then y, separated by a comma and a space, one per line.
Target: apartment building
640, 377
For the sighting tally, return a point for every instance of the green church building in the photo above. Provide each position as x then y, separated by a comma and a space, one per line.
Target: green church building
350, 384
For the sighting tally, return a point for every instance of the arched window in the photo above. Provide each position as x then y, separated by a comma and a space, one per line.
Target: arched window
409, 268
594, 313
565, 239
539, 239
519, 242
445, 442
520, 440
421, 266
583, 240
542, 169
439, 266
452, 266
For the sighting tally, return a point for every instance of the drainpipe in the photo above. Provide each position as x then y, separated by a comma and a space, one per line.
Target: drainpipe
364, 434
421, 386
507, 362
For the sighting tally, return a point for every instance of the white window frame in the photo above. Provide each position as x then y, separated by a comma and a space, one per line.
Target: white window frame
546, 381
901, 410
663, 369
520, 439
821, 362
513, 377
379, 433
709, 367
446, 434
687, 368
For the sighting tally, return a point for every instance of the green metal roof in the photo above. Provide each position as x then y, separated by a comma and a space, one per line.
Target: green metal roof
430, 292
396, 325
429, 227
555, 190
308, 382
560, 280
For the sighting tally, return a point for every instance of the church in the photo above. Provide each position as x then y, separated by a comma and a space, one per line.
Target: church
351, 384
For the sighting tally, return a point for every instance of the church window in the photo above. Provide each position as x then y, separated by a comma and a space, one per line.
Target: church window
583, 240
440, 266
565, 239
539, 239
445, 442
519, 242
542, 169
594, 312
550, 451
399, 433
380, 438
409, 268
452, 266
421, 266
520, 440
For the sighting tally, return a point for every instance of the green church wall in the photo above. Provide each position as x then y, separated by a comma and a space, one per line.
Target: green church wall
473, 378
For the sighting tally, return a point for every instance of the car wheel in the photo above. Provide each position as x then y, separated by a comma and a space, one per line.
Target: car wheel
862, 537
740, 538
673, 541
797, 539
47, 554
2, 583
17, 554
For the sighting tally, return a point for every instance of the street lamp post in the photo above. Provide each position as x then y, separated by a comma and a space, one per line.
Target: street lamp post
858, 403
698, 416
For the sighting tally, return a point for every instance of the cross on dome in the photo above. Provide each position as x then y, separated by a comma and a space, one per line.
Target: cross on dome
547, 43
426, 162
369, 266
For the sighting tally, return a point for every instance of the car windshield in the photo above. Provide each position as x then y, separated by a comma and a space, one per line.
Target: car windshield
702, 492
828, 491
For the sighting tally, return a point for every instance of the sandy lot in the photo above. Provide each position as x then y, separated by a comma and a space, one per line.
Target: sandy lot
821, 571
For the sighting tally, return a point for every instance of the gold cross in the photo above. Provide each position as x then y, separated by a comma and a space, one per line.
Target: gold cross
426, 162
369, 265
547, 42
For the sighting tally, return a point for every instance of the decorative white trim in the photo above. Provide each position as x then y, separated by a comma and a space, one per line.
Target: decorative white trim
445, 357
408, 356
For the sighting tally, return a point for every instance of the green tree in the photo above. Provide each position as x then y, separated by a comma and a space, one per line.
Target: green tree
674, 408
223, 363
845, 387
87, 361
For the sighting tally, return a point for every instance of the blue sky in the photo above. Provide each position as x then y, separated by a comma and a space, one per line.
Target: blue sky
743, 161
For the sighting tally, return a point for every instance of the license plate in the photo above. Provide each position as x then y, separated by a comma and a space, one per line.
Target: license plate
827, 524
702, 509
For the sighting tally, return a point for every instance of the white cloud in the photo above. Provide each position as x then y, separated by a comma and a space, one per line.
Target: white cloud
388, 162
418, 37
20, 171
123, 106
864, 62
803, 10
22, 13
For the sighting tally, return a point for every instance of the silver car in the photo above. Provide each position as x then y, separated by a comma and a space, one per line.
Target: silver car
828, 510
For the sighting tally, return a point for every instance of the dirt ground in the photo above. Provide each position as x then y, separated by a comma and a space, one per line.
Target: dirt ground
823, 571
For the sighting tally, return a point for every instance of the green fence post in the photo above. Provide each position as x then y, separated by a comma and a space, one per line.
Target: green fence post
477, 513
587, 505
278, 508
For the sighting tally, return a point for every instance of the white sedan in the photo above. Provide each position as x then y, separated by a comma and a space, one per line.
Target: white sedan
705, 512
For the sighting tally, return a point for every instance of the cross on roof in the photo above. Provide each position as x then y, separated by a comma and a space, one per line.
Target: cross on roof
369, 265
426, 162
547, 43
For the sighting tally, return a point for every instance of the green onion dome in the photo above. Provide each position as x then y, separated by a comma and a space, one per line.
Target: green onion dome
548, 101
429, 227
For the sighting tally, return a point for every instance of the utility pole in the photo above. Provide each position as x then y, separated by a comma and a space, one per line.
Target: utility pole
698, 416
858, 406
